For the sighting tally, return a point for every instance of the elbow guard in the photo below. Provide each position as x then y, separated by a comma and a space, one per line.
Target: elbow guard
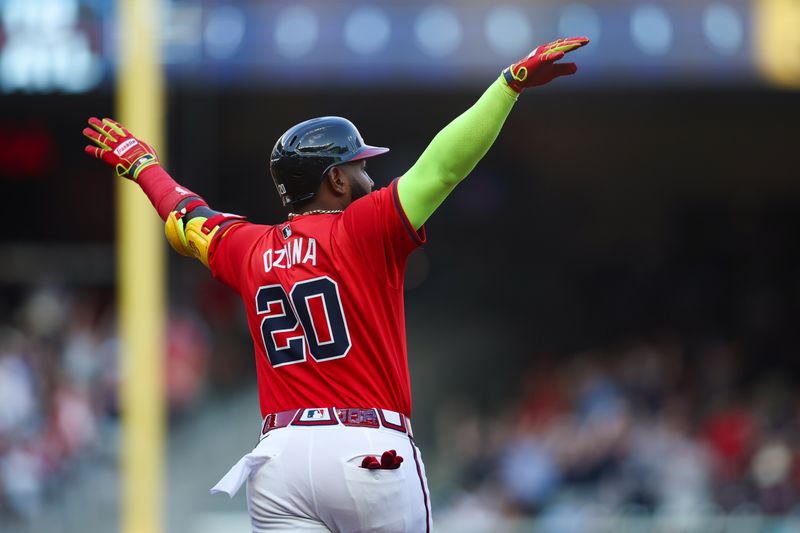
191, 229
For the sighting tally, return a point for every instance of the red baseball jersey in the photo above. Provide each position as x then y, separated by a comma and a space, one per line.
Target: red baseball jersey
324, 301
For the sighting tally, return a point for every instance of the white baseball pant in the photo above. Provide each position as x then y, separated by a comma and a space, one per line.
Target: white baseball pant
311, 479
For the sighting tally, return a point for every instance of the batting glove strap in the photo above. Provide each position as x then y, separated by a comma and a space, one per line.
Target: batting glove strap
511, 79
147, 160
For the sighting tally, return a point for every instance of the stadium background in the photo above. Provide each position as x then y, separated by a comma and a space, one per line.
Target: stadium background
602, 326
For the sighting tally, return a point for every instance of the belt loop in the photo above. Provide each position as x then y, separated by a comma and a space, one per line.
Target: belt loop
397, 421
267, 422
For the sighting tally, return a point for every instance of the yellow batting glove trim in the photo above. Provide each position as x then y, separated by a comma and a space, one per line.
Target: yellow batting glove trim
100, 145
102, 132
564, 48
114, 126
563, 45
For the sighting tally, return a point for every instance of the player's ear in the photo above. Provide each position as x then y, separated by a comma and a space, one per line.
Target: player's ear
337, 180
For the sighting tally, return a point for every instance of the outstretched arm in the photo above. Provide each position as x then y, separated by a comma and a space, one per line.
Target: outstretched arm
456, 149
190, 225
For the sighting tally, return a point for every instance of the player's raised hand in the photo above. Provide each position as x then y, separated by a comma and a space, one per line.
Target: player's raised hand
115, 145
540, 67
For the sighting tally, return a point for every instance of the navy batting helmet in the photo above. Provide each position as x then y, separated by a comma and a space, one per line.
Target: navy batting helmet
307, 151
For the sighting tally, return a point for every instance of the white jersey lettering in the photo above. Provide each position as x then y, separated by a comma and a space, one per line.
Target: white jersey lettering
294, 252
268, 260
311, 253
280, 253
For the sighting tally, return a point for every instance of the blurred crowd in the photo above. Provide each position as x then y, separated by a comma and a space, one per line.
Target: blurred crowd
59, 375
639, 428
643, 427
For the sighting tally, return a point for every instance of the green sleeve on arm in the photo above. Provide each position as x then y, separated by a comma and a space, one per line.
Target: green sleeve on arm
453, 153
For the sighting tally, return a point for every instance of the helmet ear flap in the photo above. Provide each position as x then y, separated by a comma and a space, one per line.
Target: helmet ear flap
294, 178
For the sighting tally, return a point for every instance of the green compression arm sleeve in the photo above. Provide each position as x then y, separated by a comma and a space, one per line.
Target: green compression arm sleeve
453, 153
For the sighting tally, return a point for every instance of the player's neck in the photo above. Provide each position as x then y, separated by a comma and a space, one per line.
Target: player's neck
321, 204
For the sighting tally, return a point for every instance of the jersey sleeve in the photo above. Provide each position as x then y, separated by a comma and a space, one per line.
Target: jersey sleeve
229, 252
377, 228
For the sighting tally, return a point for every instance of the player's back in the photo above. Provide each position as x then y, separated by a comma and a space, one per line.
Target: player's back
324, 302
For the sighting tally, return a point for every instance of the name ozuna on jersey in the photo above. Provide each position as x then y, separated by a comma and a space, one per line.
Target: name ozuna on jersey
294, 252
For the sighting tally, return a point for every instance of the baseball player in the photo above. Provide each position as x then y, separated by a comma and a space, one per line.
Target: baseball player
324, 298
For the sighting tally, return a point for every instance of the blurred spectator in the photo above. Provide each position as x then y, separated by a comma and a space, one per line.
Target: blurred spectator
187, 356
17, 387
59, 378
633, 428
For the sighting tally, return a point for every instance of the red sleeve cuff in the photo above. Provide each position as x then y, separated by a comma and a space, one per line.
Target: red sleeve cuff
419, 237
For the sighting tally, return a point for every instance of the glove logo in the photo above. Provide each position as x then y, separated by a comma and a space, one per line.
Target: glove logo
124, 147
521, 74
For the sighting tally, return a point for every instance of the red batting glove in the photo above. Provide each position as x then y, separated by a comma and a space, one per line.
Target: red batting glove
370, 462
540, 67
390, 460
119, 148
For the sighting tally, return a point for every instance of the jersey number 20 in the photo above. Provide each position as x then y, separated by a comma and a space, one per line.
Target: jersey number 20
311, 313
